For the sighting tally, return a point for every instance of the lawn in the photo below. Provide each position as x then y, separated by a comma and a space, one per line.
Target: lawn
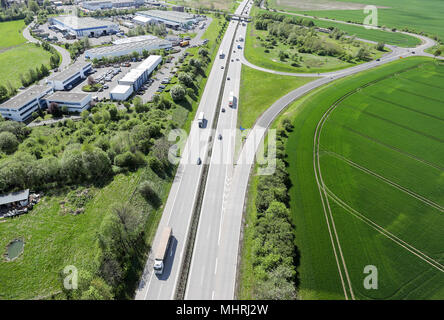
228, 5
11, 34
19, 60
257, 94
425, 17
399, 140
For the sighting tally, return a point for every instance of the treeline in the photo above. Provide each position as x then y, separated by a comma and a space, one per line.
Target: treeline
26, 11
301, 34
106, 142
274, 253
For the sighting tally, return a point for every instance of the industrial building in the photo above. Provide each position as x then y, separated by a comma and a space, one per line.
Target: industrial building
74, 101
127, 48
84, 27
143, 21
111, 4
134, 79
121, 92
135, 39
172, 19
71, 76
21, 107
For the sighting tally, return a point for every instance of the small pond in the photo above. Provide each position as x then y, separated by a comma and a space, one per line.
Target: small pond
15, 248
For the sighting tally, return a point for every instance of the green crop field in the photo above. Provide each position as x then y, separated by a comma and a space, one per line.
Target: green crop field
392, 38
425, 15
380, 162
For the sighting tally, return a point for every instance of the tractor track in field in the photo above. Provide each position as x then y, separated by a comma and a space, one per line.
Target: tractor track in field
411, 156
325, 194
388, 181
384, 232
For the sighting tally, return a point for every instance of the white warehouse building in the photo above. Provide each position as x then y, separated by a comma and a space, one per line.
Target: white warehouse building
110, 4
135, 79
84, 27
173, 19
69, 77
127, 48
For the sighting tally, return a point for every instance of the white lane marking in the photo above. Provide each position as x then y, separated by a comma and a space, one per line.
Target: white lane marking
215, 267
212, 295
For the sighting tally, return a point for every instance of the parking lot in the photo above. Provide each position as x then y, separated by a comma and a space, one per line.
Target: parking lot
149, 88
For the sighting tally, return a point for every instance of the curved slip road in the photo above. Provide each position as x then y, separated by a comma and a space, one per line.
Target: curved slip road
65, 55
230, 228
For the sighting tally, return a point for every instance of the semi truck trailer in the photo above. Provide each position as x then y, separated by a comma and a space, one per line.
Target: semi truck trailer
161, 250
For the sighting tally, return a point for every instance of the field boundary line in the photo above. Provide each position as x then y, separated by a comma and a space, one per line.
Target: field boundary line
388, 181
383, 231
409, 155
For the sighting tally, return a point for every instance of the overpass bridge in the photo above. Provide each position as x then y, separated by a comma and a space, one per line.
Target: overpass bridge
240, 17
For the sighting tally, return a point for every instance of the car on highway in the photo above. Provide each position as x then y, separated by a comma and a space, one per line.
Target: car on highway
219, 136
199, 161
221, 67
223, 109
228, 78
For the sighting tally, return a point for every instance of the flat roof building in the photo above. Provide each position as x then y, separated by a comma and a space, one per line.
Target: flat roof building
170, 18
110, 4
127, 48
74, 101
21, 107
84, 27
121, 92
135, 78
71, 76
135, 39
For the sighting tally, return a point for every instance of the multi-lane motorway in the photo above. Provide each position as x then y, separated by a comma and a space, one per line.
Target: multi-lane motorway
182, 197
212, 273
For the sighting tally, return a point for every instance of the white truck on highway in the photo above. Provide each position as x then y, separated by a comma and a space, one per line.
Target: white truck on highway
221, 54
231, 99
201, 120
161, 250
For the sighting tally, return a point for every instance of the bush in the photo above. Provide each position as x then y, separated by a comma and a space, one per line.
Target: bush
8, 142
177, 93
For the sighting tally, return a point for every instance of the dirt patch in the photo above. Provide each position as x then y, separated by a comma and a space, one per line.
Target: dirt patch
308, 5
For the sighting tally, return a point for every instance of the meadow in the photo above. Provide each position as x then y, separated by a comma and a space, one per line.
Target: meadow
256, 53
424, 16
17, 56
55, 238
24, 57
380, 154
257, 95
11, 34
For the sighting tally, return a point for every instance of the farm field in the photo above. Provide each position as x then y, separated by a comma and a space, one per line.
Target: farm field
392, 38
380, 156
425, 16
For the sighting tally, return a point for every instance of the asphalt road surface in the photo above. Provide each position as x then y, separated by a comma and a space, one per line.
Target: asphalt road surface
180, 203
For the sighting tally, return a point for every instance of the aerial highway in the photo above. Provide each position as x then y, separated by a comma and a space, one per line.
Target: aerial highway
228, 245
183, 193
212, 273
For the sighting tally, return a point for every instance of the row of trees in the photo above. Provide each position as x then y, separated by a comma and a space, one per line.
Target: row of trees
274, 252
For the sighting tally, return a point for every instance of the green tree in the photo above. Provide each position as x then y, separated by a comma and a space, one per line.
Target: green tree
177, 92
8, 142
